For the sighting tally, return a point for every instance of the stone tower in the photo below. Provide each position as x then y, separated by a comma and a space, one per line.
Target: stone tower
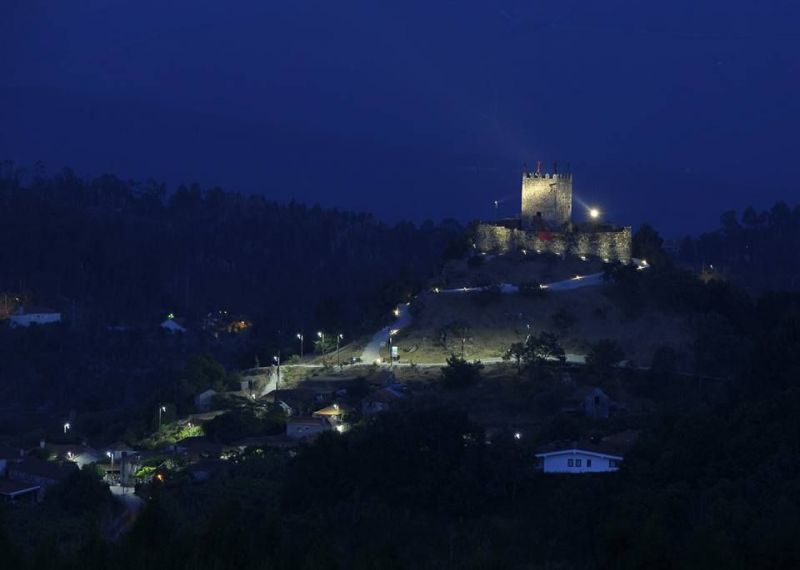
546, 198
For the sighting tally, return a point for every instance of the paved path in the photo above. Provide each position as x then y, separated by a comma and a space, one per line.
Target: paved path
567, 284
372, 352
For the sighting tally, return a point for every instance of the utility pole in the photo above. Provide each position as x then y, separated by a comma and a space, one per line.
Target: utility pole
277, 360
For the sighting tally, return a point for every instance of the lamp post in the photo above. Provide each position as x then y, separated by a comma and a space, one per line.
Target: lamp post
321, 336
161, 409
111, 456
594, 214
277, 360
339, 337
66, 428
463, 342
300, 338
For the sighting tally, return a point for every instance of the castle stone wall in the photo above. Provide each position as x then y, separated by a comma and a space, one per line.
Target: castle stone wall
614, 245
548, 196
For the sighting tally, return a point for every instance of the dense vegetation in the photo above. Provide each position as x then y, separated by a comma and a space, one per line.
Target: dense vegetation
116, 257
113, 252
760, 250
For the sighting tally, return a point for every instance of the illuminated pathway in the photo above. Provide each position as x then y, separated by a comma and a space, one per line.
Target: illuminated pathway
372, 351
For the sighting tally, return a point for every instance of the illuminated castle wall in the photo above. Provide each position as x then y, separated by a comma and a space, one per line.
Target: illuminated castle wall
545, 225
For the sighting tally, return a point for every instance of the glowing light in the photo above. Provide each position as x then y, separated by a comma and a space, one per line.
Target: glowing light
594, 213
577, 277
517, 435
435, 289
583, 258
396, 312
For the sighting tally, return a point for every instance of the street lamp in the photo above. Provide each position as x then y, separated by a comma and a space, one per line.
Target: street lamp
339, 337
66, 428
161, 409
300, 338
594, 213
111, 456
277, 360
321, 336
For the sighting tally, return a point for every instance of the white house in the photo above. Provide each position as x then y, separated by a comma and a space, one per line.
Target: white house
577, 460
29, 315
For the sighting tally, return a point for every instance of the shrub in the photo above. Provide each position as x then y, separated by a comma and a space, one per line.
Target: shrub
459, 373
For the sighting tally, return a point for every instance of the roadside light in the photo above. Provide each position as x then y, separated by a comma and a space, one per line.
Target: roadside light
396, 312
517, 435
594, 213
66, 427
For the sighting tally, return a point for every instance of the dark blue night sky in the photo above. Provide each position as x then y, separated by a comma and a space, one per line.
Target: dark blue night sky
669, 112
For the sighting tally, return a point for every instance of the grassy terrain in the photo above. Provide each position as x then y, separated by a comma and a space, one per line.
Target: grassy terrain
491, 323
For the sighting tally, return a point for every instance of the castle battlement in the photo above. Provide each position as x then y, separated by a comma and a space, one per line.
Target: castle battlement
545, 224
554, 175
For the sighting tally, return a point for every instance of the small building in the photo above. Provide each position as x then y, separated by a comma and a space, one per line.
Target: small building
595, 403
301, 427
381, 400
173, 325
204, 400
16, 491
41, 473
28, 315
588, 456
592, 402
578, 458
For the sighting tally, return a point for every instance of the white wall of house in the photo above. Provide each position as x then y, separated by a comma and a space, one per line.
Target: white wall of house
28, 319
578, 461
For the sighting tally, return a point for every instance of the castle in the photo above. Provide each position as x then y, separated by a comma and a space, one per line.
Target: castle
545, 225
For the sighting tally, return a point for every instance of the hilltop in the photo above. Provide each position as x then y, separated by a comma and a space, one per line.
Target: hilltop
491, 320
